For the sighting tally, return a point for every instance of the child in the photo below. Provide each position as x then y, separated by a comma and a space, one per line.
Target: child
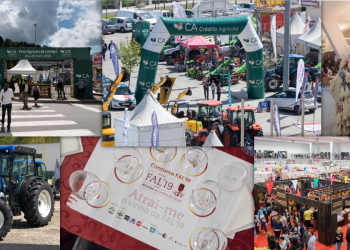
277, 245
284, 245
294, 236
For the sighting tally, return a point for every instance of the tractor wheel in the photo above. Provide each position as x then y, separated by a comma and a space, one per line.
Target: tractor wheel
230, 138
189, 135
218, 128
162, 57
193, 142
168, 60
6, 218
259, 133
272, 84
38, 203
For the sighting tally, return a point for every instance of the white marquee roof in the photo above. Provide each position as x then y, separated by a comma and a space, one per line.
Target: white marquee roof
22, 67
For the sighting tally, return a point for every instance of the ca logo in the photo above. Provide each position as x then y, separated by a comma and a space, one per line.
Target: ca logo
246, 40
154, 39
145, 62
178, 26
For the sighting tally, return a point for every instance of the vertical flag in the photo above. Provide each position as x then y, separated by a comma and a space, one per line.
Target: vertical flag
229, 85
276, 120
179, 12
126, 127
300, 77
306, 77
155, 130
315, 182
269, 186
273, 36
295, 182
114, 55
315, 98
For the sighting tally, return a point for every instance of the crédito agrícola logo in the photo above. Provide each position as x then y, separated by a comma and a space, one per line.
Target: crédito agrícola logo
145, 62
178, 26
154, 39
246, 40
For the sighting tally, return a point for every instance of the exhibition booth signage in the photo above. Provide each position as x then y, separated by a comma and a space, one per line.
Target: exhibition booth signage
337, 205
45, 53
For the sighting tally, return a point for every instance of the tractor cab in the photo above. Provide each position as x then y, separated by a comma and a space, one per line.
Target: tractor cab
107, 130
232, 132
41, 168
209, 112
22, 189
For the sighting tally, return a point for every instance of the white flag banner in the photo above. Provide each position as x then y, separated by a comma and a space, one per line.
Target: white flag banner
273, 36
179, 12
295, 183
307, 27
300, 77
126, 127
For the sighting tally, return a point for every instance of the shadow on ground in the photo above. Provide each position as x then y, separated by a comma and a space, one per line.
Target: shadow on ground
12, 246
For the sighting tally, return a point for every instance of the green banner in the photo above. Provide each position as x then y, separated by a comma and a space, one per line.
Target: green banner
2, 74
83, 71
255, 74
45, 53
147, 73
205, 26
140, 31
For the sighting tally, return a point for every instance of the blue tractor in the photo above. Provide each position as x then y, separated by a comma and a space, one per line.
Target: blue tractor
274, 76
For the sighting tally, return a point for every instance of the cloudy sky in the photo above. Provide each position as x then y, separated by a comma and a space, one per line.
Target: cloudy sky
60, 23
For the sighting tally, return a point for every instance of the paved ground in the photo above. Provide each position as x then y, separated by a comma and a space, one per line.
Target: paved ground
288, 118
54, 119
23, 236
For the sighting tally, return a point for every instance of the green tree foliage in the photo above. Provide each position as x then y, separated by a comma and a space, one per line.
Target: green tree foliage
129, 53
28, 140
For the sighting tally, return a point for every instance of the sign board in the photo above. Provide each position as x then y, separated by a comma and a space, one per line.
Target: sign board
337, 205
281, 196
2, 74
45, 53
263, 107
140, 31
97, 70
83, 71
315, 4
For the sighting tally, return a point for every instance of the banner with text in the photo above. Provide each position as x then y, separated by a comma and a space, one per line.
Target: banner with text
83, 71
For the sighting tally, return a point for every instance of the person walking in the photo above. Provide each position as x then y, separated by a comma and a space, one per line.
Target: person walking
12, 84
311, 245
306, 237
277, 227
270, 241
307, 217
348, 238
205, 83
256, 222
104, 50
59, 88
81, 86
36, 93
62, 94
338, 241
213, 87
25, 90
263, 219
109, 48
6, 96
218, 91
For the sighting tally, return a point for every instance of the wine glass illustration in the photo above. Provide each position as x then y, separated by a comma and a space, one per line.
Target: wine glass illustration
163, 154
210, 239
87, 186
128, 163
232, 177
205, 196
180, 189
195, 156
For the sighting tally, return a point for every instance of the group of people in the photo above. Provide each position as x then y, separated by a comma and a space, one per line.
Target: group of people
105, 48
214, 88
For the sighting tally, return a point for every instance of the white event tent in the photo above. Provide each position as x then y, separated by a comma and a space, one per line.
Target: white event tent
171, 129
311, 39
23, 67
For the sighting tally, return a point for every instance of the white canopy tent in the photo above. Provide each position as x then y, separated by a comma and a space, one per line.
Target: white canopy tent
23, 67
311, 39
212, 140
171, 129
297, 27
211, 5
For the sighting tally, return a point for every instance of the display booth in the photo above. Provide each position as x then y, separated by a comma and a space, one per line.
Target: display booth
310, 40
171, 129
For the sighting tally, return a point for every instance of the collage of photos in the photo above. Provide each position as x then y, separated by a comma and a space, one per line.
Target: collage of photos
182, 124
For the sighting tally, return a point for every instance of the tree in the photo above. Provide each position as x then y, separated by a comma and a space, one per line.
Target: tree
56, 69
1, 41
129, 53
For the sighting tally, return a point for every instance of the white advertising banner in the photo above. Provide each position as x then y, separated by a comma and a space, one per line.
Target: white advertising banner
159, 203
273, 36
251, 40
300, 77
179, 12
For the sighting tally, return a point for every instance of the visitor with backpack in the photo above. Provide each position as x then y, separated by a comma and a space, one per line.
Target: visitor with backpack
270, 241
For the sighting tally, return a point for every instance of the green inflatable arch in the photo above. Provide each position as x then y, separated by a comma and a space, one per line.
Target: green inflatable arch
166, 27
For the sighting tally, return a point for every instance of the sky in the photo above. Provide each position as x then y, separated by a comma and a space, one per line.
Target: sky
60, 23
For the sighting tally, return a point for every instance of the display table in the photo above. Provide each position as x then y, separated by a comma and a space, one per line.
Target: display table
108, 237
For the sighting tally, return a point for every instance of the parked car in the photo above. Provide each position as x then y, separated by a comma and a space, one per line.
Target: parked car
137, 15
250, 7
239, 9
286, 100
123, 98
122, 23
160, 13
111, 27
104, 28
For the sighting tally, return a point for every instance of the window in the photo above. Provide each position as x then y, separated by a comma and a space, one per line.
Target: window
19, 169
129, 20
4, 164
248, 118
110, 23
307, 95
135, 16
31, 165
281, 95
123, 91
146, 15
164, 14
214, 111
120, 21
291, 94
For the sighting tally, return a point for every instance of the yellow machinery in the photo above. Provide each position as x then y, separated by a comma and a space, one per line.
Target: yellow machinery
107, 130
166, 85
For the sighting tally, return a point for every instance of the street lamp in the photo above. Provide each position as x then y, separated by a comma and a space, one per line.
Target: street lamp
35, 33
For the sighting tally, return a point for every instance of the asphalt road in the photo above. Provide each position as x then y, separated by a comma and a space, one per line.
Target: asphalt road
23, 236
54, 119
287, 118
